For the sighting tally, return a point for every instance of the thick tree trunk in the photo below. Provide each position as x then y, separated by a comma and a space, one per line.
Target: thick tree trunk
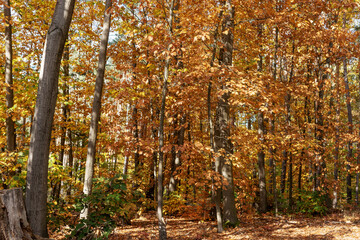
95, 115
222, 125
13, 221
10, 125
37, 169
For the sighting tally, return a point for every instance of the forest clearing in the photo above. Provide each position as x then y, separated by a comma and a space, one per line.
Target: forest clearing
179, 119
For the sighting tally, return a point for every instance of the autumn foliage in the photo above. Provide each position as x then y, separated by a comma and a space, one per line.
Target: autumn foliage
295, 65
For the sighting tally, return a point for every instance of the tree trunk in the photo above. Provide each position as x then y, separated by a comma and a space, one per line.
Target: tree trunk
63, 128
13, 220
160, 188
177, 154
95, 115
290, 179
10, 125
337, 138
261, 153
216, 188
37, 169
222, 125
349, 144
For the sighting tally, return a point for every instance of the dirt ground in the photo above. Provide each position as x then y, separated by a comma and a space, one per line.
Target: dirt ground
335, 226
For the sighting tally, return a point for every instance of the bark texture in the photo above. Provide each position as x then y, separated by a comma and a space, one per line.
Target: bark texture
10, 125
13, 221
37, 169
95, 115
223, 146
160, 187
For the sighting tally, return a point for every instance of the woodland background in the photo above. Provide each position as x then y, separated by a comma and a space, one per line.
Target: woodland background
271, 119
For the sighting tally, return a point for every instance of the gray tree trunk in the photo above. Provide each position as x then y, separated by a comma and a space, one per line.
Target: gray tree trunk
13, 221
10, 125
95, 115
216, 188
37, 169
160, 188
222, 124
337, 139
349, 144
261, 153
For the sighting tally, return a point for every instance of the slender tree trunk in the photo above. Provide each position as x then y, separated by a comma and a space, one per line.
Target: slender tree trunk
37, 168
136, 136
71, 161
179, 134
216, 188
357, 162
337, 138
272, 163
290, 179
261, 153
10, 125
350, 123
160, 188
63, 128
283, 171
216, 185
95, 115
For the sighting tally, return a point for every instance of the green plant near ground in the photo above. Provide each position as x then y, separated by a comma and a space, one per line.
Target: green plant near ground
110, 202
312, 202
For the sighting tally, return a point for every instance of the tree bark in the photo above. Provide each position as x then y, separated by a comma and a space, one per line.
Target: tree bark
350, 125
261, 153
13, 220
10, 125
337, 138
37, 169
160, 188
95, 115
223, 146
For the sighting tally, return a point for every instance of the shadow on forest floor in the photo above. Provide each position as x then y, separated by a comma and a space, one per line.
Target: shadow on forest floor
334, 226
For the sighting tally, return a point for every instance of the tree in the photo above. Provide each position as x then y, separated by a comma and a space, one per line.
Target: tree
37, 169
10, 125
95, 115
223, 146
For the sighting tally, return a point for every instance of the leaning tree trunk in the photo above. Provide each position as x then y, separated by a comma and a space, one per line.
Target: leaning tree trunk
95, 115
13, 221
37, 169
10, 125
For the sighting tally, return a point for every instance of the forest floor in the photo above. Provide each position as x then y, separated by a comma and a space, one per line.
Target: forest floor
333, 226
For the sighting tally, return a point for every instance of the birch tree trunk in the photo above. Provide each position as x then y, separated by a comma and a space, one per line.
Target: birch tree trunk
10, 125
37, 168
95, 115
